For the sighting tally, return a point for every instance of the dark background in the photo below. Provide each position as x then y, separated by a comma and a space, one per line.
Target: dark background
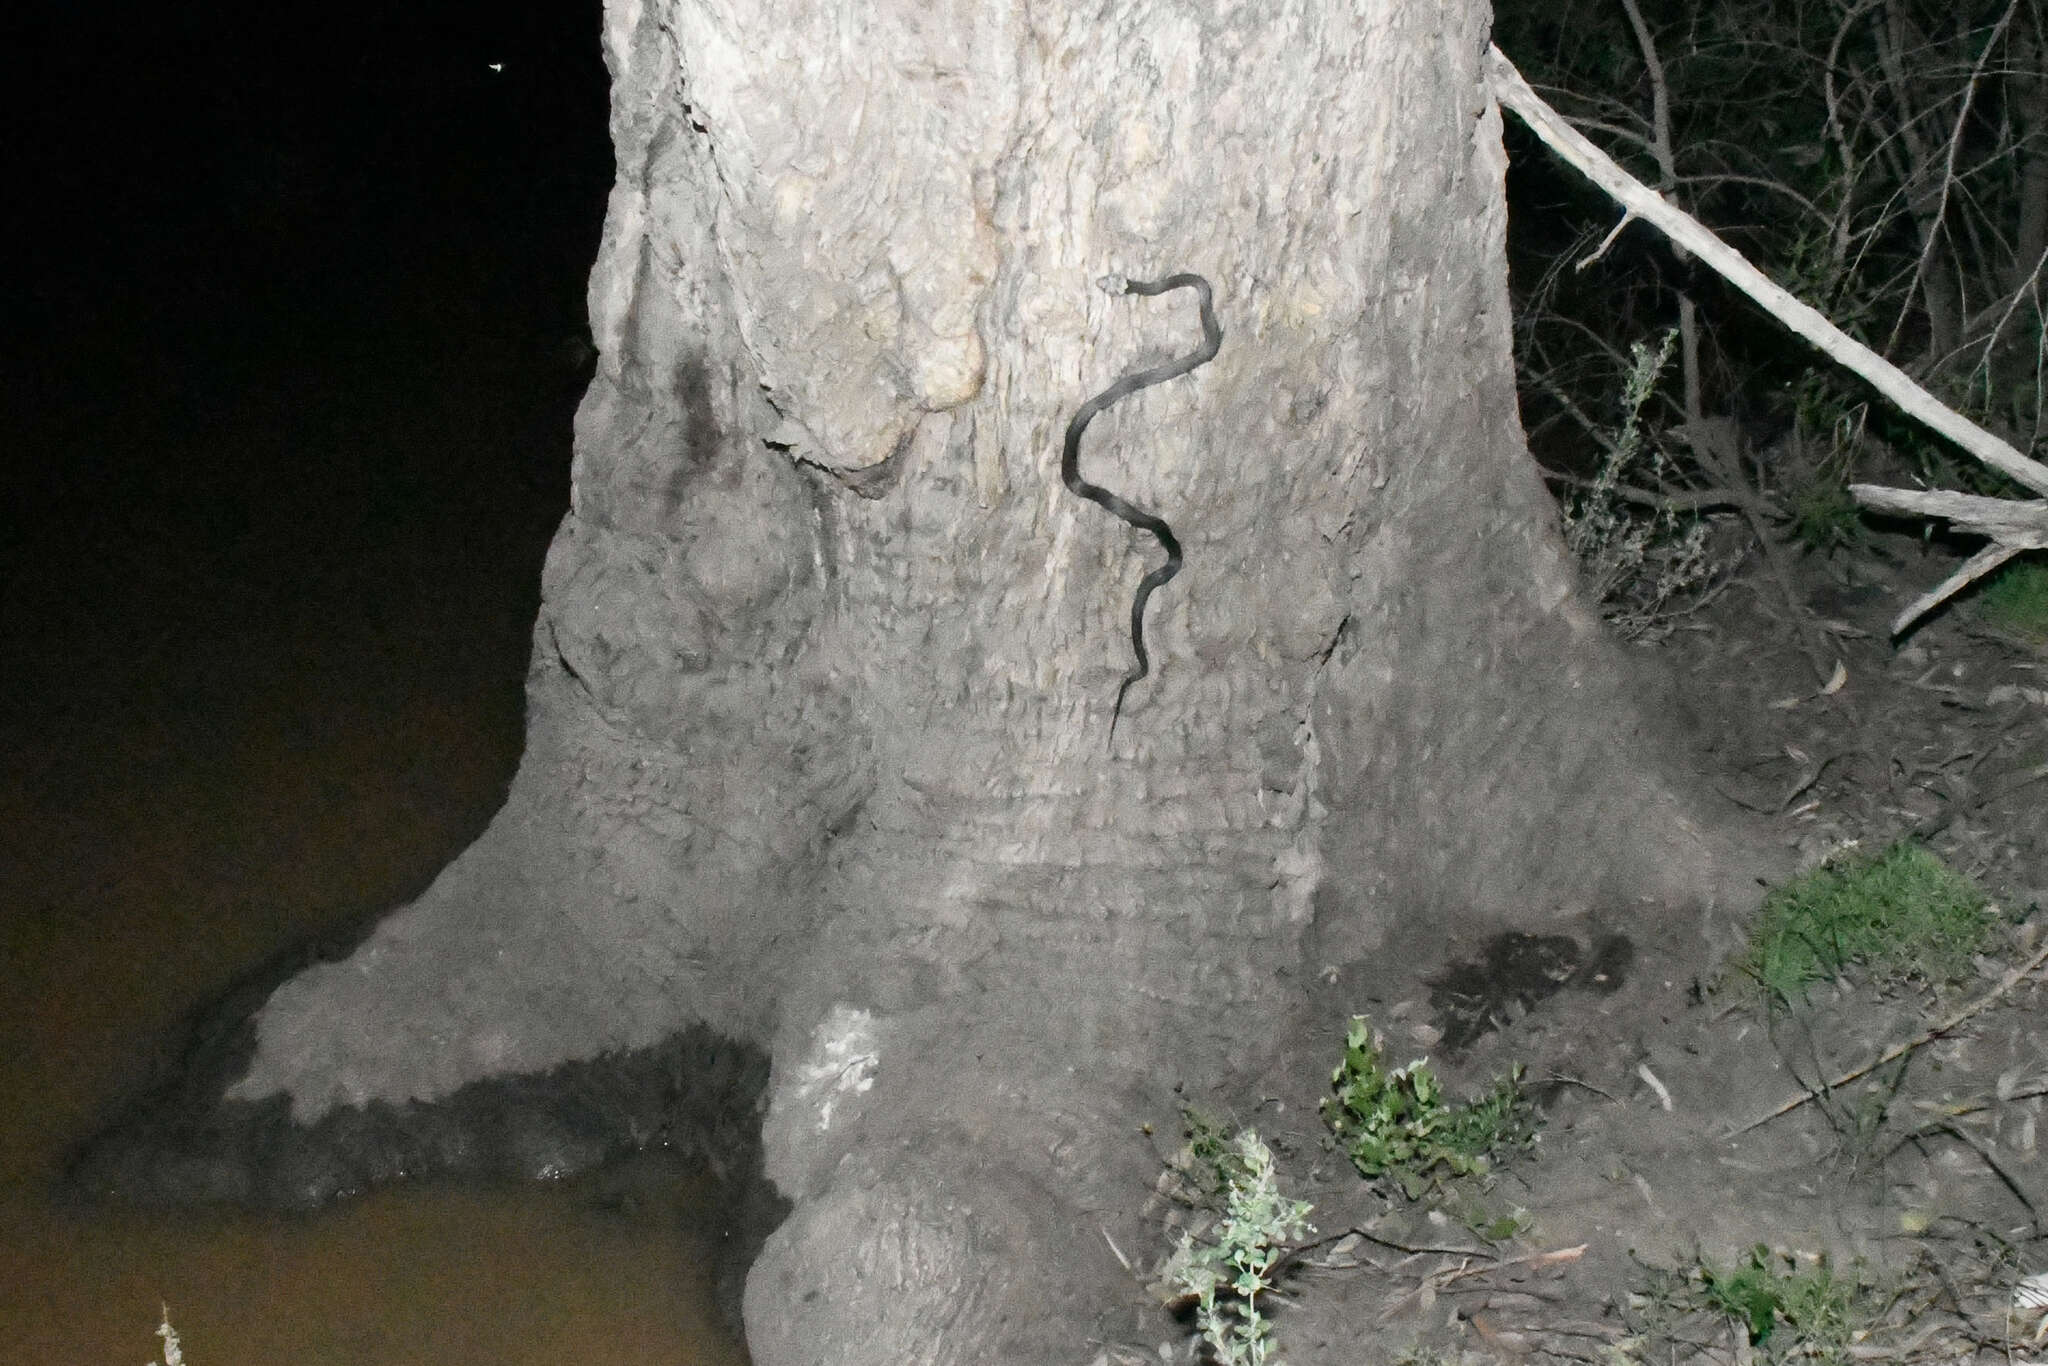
220, 194
292, 335
292, 340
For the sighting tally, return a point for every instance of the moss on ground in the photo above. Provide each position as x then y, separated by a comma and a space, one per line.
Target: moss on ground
2015, 600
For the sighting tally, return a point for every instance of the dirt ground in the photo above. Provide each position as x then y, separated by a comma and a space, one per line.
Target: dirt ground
1927, 1186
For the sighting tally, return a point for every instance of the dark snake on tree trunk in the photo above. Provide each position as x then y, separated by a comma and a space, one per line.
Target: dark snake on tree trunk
1070, 456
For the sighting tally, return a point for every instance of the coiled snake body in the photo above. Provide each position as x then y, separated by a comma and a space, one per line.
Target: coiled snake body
1070, 456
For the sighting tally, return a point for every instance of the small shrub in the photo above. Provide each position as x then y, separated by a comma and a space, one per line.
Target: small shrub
1396, 1123
1819, 464
1637, 563
1902, 914
1824, 517
1227, 1271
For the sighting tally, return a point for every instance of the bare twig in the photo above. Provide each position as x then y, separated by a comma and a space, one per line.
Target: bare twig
1298, 1254
1667, 175
1959, 809
1932, 231
1677, 500
1899, 1050
1592, 257
1550, 1258
1983, 1150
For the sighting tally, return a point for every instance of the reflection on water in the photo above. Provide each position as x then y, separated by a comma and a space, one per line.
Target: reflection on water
445, 1275
132, 887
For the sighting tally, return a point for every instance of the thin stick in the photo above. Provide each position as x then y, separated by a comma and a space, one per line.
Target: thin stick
1550, 1258
1963, 808
1983, 1150
1899, 1050
1412, 1249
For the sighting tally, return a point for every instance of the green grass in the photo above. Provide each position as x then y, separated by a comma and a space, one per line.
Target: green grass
1766, 1292
1395, 1122
2016, 599
1901, 915
1786, 1307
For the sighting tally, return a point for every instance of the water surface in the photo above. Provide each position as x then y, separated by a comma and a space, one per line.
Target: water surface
260, 673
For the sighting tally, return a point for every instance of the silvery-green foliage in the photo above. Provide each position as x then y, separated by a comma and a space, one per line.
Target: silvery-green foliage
1232, 1266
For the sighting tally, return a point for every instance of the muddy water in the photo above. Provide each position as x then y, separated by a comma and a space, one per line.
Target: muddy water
237, 704
398, 1276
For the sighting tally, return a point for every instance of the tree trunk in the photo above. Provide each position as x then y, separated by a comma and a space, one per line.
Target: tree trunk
820, 703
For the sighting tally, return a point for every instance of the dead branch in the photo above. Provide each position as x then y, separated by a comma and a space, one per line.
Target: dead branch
2026, 519
2022, 524
1531, 1259
2011, 525
1974, 568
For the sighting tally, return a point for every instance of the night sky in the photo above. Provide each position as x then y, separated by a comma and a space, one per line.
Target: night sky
302, 285
221, 195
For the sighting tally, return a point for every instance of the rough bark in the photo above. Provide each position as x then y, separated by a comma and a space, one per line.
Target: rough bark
822, 681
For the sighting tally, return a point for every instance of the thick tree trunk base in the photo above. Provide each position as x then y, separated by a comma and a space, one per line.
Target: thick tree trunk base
818, 752
184, 1143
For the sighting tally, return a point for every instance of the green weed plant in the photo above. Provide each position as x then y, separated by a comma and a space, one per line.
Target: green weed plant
1784, 1309
1900, 915
1396, 1123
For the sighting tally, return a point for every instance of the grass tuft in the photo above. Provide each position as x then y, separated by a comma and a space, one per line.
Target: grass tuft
1900, 915
2015, 600
1824, 517
1786, 1307
1765, 1291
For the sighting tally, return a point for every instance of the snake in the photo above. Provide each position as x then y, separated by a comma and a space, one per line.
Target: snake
1070, 456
